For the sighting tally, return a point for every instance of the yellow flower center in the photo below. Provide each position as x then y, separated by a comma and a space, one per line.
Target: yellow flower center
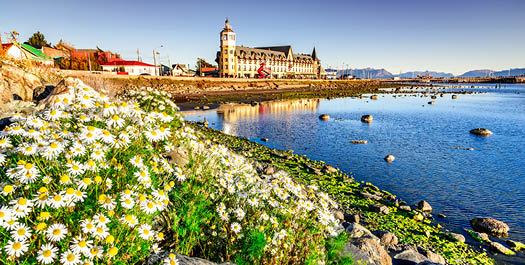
71, 257
75, 167
129, 218
56, 232
91, 163
115, 118
113, 251
17, 246
28, 166
8, 188
100, 230
53, 145
89, 226
29, 148
82, 244
146, 231
57, 198
46, 253
94, 251
22, 201
21, 231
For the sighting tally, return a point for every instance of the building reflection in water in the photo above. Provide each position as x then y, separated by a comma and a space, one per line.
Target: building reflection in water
234, 112
234, 118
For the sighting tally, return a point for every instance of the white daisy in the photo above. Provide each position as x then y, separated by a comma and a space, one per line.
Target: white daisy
70, 258
47, 254
145, 232
236, 227
16, 248
56, 232
82, 245
20, 232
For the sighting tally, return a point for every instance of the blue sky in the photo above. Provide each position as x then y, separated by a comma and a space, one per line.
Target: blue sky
398, 35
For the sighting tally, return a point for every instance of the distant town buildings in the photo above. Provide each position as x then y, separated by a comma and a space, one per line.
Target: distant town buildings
276, 62
130, 67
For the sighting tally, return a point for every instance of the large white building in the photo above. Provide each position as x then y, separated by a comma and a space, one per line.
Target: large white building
278, 61
131, 67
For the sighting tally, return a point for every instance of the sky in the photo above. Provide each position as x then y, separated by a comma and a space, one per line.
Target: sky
451, 36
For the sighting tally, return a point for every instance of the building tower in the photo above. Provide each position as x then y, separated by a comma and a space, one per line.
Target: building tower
227, 63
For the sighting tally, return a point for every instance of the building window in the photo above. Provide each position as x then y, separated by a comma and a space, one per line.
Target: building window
225, 37
225, 51
231, 51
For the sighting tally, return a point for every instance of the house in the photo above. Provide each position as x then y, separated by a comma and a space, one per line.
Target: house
331, 74
276, 61
209, 71
179, 70
130, 67
21, 51
14, 51
54, 53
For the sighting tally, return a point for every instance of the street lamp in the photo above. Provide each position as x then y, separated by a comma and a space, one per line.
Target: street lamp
154, 58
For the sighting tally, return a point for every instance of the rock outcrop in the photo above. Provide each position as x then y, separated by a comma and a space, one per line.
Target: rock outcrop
489, 225
15, 81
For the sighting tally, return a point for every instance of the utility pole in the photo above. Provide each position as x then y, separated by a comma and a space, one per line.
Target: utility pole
89, 61
138, 55
169, 64
155, 62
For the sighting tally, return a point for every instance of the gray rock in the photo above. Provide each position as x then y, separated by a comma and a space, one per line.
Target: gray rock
352, 218
339, 215
454, 96
481, 132
205, 107
424, 206
434, 257
378, 208
410, 256
387, 238
269, 170
442, 215
358, 141
499, 248
518, 246
458, 237
358, 256
431, 102
370, 196
489, 225
367, 118
158, 258
179, 156
405, 208
324, 117
329, 169
390, 158
372, 249
355, 230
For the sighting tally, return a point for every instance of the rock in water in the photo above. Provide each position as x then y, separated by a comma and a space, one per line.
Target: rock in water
358, 141
518, 246
374, 97
390, 158
489, 225
499, 248
324, 117
205, 107
410, 256
264, 139
424, 206
454, 96
431, 103
481, 131
387, 238
458, 237
367, 118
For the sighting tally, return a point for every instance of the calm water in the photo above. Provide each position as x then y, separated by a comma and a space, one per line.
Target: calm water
489, 181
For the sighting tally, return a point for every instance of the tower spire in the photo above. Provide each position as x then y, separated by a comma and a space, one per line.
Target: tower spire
314, 54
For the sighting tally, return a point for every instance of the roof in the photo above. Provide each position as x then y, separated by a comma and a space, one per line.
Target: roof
208, 69
127, 63
6, 45
285, 49
36, 54
256, 53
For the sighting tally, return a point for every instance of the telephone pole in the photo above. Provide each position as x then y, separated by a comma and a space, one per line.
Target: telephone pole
138, 55
155, 62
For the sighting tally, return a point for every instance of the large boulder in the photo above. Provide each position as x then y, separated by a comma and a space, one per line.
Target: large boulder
378, 208
374, 252
15, 81
64, 91
481, 132
489, 225
356, 230
410, 256
387, 238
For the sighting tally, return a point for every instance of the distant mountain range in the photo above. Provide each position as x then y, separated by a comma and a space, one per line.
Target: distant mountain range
384, 74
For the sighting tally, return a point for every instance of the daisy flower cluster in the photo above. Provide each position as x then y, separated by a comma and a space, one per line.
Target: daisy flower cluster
275, 205
82, 180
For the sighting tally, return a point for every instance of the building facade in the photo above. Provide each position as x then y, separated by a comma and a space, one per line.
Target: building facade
276, 61
130, 67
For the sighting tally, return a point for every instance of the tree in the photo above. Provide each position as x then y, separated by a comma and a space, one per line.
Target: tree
38, 40
202, 63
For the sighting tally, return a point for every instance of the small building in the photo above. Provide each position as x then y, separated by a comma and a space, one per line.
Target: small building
209, 71
331, 74
14, 51
130, 67
21, 51
179, 70
54, 53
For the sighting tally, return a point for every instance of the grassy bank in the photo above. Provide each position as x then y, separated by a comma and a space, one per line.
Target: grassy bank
410, 227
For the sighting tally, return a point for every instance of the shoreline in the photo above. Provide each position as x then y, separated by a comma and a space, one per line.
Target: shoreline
412, 227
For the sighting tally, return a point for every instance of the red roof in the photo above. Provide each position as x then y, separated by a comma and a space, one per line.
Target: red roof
127, 63
208, 69
6, 45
